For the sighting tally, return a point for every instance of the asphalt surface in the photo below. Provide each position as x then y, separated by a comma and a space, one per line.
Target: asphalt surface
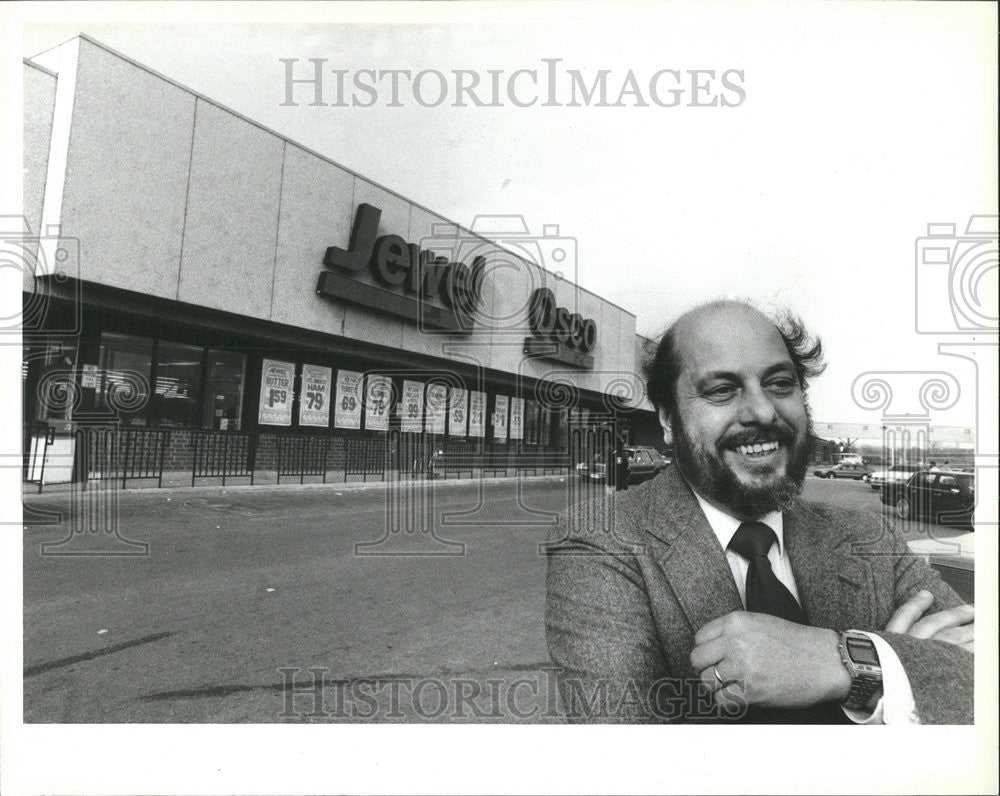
244, 591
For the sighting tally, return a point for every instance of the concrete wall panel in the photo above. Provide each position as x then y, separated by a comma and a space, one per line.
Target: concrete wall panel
126, 173
39, 102
316, 212
232, 214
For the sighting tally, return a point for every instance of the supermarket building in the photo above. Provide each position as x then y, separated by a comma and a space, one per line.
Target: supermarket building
203, 281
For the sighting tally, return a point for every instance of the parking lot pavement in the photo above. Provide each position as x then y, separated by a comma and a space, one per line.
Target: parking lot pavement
245, 597
238, 586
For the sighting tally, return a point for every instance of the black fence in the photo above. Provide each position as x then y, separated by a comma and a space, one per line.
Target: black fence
109, 453
223, 454
365, 457
302, 455
409, 453
122, 453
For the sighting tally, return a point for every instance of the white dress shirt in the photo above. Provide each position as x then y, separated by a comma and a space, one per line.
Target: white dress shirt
896, 705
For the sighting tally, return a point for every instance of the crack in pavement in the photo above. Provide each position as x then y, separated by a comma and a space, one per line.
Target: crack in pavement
41, 668
226, 689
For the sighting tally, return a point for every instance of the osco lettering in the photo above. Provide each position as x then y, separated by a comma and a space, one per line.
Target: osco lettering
395, 262
550, 322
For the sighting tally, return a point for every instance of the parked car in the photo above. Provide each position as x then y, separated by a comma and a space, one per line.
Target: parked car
945, 497
954, 559
859, 472
897, 474
643, 463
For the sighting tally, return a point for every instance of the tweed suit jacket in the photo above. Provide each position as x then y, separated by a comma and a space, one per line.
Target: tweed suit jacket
633, 575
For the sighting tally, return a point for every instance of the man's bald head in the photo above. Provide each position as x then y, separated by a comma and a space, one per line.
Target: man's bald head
725, 320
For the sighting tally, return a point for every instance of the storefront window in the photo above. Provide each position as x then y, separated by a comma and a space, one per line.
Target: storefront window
123, 383
530, 422
223, 405
55, 388
560, 428
178, 379
545, 426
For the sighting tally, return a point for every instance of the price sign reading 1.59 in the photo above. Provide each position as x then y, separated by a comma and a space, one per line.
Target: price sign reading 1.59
276, 397
277, 380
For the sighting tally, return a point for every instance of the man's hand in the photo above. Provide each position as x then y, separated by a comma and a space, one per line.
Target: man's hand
769, 661
953, 625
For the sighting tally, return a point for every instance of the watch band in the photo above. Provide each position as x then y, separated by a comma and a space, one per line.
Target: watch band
866, 678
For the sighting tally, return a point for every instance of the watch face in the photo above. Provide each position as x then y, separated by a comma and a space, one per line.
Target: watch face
862, 652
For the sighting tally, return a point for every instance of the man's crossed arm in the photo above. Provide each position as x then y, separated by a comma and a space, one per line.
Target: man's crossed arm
763, 660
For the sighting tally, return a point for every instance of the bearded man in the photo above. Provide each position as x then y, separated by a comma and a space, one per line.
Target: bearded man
712, 592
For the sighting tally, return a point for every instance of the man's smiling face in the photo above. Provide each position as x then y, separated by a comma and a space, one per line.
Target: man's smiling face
741, 425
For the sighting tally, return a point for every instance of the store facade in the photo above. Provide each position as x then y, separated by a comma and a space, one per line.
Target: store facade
200, 275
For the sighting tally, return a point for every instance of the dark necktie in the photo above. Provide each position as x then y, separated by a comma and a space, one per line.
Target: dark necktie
765, 594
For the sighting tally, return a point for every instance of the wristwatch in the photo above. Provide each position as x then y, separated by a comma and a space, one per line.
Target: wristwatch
858, 654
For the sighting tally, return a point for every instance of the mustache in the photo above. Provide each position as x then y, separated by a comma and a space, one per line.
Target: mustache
757, 436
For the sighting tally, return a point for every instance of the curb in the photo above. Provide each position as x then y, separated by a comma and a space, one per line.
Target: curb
57, 491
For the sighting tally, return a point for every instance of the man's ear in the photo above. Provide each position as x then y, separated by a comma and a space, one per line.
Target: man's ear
668, 433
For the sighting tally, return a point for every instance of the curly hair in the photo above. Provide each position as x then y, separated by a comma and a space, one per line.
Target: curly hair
663, 368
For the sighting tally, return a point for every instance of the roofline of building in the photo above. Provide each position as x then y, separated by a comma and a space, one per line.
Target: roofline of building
311, 151
40, 68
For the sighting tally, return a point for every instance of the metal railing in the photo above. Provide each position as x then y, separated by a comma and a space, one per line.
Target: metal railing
112, 452
302, 455
223, 454
109, 452
364, 457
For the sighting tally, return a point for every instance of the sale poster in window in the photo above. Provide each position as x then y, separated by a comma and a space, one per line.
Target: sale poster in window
500, 419
517, 418
347, 413
314, 409
477, 414
277, 380
437, 407
411, 409
458, 413
378, 398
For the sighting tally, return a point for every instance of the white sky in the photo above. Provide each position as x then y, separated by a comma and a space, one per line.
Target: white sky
861, 124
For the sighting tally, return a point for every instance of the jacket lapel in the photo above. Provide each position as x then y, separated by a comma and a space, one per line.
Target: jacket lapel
693, 561
834, 586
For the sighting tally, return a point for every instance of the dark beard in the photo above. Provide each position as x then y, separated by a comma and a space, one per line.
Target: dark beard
712, 478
